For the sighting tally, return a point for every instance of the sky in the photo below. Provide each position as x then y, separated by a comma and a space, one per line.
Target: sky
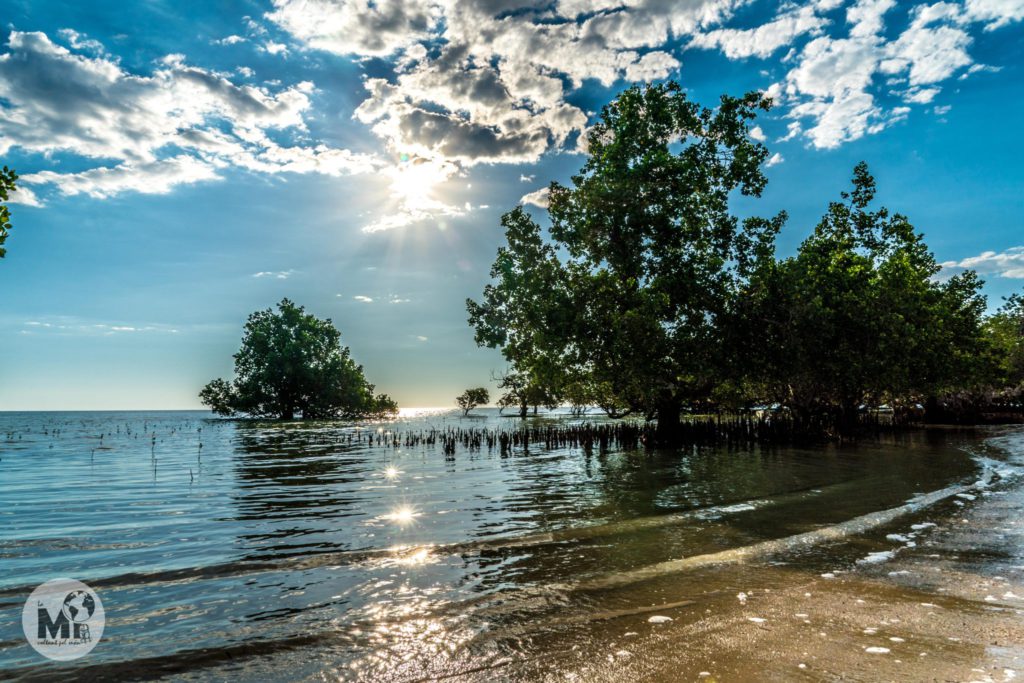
184, 164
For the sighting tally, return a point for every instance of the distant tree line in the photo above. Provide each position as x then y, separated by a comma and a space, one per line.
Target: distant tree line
647, 296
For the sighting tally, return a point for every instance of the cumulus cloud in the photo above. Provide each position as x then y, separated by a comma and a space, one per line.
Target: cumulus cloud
495, 90
359, 27
1009, 264
147, 133
363, 299
995, 13
766, 39
835, 86
537, 197
487, 82
24, 196
458, 83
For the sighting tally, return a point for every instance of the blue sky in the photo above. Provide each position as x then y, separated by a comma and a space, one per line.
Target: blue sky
185, 164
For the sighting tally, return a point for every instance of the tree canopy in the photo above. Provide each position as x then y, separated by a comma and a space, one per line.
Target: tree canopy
628, 290
1005, 331
857, 316
646, 294
293, 364
7, 185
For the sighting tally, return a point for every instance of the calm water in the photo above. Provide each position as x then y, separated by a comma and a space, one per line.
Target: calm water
280, 553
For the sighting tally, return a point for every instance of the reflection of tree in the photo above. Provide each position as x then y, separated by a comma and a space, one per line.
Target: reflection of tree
291, 479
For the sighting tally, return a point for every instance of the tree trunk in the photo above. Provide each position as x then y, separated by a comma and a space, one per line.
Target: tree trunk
523, 408
850, 412
668, 430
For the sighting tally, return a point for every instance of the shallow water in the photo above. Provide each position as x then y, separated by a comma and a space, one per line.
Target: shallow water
297, 552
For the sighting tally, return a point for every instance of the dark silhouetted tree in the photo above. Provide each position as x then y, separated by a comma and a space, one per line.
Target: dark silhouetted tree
290, 364
471, 398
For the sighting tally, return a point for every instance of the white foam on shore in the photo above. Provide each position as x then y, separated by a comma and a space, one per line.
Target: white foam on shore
878, 558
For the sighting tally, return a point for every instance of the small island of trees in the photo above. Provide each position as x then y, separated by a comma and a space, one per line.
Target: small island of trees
292, 364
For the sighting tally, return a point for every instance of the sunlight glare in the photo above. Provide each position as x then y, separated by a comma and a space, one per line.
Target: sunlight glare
414, 182
402, 515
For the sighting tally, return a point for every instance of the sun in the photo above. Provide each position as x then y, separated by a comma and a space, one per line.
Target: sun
414, 182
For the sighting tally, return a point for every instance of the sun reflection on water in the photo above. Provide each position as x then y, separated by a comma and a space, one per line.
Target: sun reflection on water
403, 515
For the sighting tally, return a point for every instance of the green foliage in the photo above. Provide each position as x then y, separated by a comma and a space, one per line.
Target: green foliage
293, 363
523, 390
471, 398
627, 294
7, 185
857, 315
1005, 333
646, 295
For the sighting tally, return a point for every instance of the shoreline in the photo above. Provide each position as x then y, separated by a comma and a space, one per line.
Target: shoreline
946, 606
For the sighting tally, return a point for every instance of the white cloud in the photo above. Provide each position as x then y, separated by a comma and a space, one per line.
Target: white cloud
487, 82
537, 197
24, 196
229, 40
154, 177
834, 88
357, 27
1008, 264
363, 299
775, 160
457, 83
765, 39
995, 13
270, 47
277, 274
179, 125
73, 326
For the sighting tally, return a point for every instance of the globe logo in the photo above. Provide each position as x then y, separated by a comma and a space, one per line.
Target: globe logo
78, 606
63, 619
